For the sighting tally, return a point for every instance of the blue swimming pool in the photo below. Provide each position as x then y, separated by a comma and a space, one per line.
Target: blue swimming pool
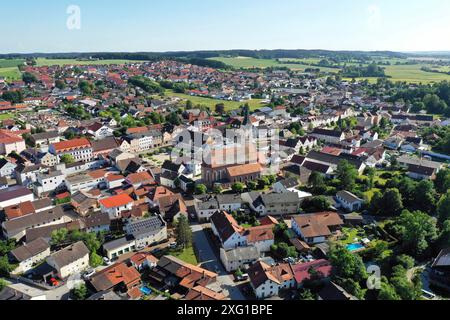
146, 291
355, 247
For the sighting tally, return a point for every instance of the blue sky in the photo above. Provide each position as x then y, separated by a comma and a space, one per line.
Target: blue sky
174, 25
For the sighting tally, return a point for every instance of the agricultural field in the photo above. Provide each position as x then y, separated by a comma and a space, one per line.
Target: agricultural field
248, 63
41, 62
9, 69
10, 73
211, 103
9, 63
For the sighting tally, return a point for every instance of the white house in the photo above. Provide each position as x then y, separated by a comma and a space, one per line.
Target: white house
226, 228
349, 201
70, 260
267, 281
50, 182
116, 204
238, 258
31, 253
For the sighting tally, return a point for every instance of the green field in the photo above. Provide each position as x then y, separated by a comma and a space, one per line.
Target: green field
5, 116
10, 73
41, 62
410, 74
211, 103
248, 63
9, 63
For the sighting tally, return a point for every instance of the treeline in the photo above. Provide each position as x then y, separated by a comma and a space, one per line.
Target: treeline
258, 54
372, 70
432, 99
147, 85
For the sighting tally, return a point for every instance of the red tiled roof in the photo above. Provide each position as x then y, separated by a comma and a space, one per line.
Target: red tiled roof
116, 201
71, 144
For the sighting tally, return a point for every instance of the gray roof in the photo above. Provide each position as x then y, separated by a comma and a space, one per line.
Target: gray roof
242, 253
97, 219
30, 249
45, 135
118, 243
70, 254
289, 183
14, 192
273, 198
34, 219
348, 196
229, 198
145, 226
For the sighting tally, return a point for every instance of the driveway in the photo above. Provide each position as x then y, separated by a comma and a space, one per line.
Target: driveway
210, 261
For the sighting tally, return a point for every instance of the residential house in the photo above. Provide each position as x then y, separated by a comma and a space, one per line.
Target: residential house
147, 231
29, 254
16, 229
15, 195
315, 228
267, 281
7, 168
114, 205
70, 260
239, 258
349, 201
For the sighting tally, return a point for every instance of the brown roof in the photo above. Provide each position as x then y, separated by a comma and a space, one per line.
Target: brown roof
19, 210
260, 272
244, 169
225, 225
203, 294
70, 254
260, 233
317, 224
114, 275
30, 249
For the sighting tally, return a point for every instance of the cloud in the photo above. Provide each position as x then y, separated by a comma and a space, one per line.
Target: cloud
374, 17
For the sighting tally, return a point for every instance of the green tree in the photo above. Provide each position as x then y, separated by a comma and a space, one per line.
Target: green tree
388, 204
183, 232
217, 190
28, 78
347, 265
306, 294
2, 284
238, 187
5, 266
417, 231
200, 189
387, 291
95, 260
59, 236
252, 185
80, 292
67, 159
316, 204
425, 196
442, 182
317, 181
443, 208
347, 174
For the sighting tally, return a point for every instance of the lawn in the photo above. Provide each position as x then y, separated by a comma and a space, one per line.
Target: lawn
211, 103
187, 255
5, 116
61, 62
350, 235
248, 63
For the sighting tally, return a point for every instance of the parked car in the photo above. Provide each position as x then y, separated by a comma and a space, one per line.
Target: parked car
88, 274
173, 245
107, 261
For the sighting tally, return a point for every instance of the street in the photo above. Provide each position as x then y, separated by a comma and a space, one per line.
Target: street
211, 262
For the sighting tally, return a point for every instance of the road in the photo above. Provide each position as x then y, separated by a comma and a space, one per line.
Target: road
210, 261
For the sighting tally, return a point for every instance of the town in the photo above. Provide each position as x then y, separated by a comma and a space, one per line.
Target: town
118, 183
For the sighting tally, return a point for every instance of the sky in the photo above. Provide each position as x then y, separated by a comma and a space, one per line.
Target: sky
29, 26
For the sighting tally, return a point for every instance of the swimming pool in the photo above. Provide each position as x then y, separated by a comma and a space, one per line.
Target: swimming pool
145, 290
354, 247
